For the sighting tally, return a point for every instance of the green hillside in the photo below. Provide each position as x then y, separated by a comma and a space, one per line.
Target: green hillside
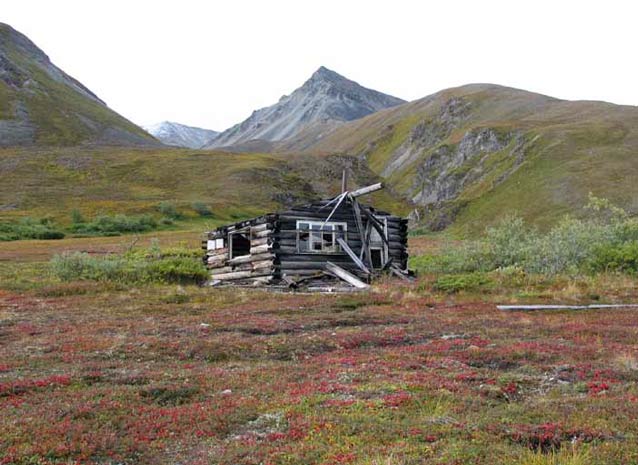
42, 105
469, 155
52, 182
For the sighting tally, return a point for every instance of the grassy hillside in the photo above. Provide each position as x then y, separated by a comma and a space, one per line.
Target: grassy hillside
40, 104
469, 155
53, 182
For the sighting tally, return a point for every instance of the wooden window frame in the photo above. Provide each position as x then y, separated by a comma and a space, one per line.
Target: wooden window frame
315, 222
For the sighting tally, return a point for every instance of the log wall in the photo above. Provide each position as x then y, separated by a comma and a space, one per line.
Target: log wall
273, 245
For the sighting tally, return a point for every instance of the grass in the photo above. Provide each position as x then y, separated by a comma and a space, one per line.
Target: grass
105, 182
143, 371
571, 149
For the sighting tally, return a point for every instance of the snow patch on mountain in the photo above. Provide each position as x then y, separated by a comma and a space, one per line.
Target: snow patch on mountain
180, 135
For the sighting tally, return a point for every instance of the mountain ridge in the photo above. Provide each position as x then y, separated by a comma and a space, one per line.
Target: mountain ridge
40, 104
326, 99
465, 156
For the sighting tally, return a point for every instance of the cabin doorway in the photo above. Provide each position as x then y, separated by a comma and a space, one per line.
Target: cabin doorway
239, 243
379, 247
376, 255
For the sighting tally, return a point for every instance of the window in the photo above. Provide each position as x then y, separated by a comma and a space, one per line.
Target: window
317, 237
214, 244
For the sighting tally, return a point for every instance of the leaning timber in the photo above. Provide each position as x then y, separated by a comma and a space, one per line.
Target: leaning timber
335, 237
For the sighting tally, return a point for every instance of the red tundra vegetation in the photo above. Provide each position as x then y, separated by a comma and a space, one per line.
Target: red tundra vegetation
162, 374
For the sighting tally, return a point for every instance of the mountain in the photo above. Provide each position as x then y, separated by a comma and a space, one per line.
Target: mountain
467, 156
42, 105
180, 135
324, 101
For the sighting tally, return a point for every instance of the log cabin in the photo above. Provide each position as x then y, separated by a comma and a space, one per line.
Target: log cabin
336, 237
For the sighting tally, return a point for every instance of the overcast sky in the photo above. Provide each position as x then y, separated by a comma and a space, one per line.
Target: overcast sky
210, 63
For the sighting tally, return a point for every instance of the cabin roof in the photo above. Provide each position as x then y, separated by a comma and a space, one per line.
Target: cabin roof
320, 204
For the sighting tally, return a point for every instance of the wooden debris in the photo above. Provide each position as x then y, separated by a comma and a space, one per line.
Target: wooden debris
352, 255
344, 275
529, 308
366, 190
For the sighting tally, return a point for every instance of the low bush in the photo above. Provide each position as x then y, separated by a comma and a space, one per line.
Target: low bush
461, 282
622, 257
130, 268
105, 225
30, 228
202, 209
169, 210
606, 241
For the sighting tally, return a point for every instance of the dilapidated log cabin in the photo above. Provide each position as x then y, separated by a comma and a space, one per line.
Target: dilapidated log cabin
337, 237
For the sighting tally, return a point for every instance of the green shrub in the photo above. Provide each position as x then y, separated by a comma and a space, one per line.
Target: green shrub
105, 225
169, 210
76, 217
130, 268
30, 228
460, 282
604, 241
608, 257
202, 209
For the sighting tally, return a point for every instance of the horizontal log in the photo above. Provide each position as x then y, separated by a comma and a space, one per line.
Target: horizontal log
216, 262
307, 272
251, 258
262, 241
261, 265
239, 275
261, 249
260, 234
259, 227
223, 251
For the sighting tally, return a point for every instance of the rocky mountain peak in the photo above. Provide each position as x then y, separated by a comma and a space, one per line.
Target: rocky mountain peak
326, 98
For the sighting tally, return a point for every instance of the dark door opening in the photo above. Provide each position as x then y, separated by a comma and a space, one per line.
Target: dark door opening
239, 244
377, 258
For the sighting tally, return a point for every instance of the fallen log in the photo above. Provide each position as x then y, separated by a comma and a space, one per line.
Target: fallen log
529, 308
345, 276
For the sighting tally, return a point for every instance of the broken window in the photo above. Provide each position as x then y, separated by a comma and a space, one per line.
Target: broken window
319, 237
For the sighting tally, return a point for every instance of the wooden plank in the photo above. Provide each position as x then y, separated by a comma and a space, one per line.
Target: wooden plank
398, 272
364, 244
352, 255
347, 277
366, 190
564, 307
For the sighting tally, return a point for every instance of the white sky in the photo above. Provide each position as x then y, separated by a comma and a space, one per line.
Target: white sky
210, 63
